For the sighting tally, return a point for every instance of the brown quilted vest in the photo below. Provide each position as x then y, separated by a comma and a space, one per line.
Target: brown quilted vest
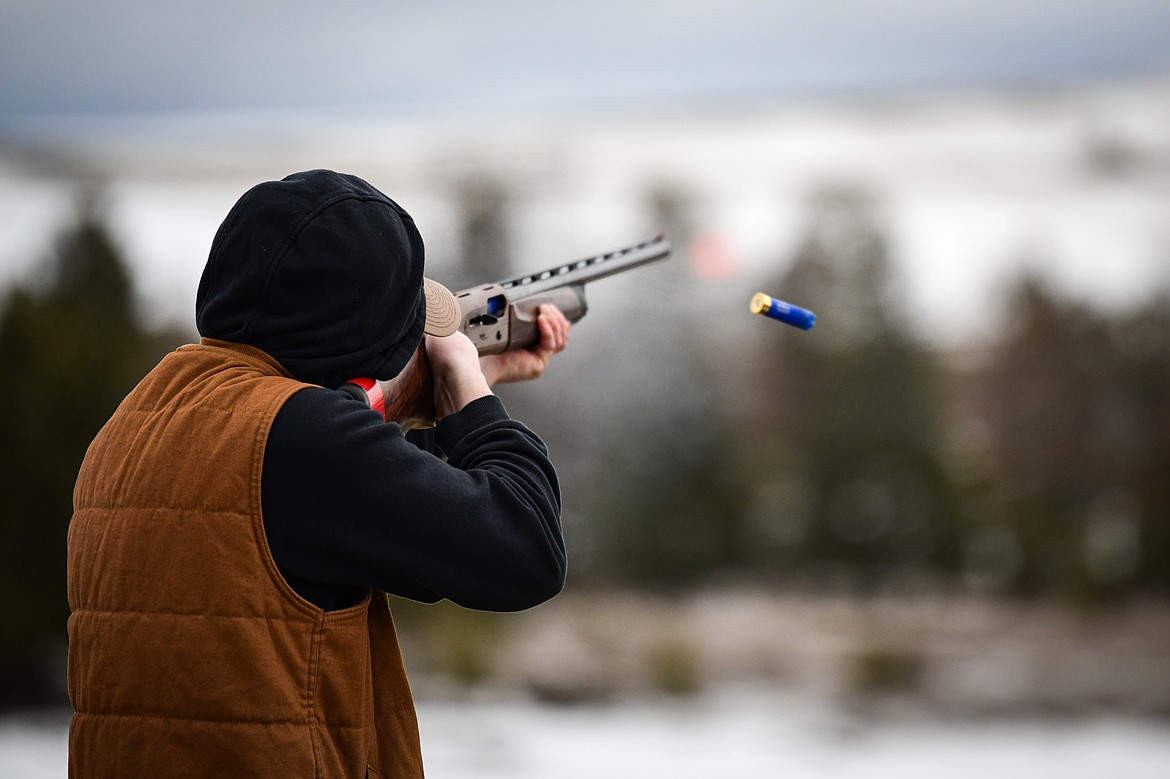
189, 655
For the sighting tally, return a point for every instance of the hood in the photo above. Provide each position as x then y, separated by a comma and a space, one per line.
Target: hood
324, 273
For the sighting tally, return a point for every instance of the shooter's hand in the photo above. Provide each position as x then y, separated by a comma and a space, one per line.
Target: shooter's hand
525, 364
456, 372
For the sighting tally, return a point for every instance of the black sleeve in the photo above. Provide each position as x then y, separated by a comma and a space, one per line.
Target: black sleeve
349, 504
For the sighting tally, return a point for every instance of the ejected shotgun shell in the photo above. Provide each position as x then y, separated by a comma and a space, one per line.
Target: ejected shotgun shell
787, 313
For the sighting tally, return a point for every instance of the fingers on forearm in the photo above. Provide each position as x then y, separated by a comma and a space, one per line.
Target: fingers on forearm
554, 329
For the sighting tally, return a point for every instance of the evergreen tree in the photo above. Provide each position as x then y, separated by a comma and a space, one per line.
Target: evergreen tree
485, 243
1143, 341
669, 511
847, 439
70, 349
1076, 404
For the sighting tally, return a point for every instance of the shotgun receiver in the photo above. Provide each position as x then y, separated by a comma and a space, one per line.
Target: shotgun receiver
501, 316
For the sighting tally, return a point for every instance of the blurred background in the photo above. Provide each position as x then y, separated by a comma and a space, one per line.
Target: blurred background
931, 534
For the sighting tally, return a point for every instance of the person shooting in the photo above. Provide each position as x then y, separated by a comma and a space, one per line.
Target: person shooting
239, 519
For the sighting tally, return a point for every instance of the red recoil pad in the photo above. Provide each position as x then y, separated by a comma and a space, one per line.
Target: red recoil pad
373, 392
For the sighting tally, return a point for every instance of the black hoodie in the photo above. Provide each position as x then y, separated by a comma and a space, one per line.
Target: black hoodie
321, 271
324, 272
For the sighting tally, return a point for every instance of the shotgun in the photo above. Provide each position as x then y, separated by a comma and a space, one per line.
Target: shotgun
501, 316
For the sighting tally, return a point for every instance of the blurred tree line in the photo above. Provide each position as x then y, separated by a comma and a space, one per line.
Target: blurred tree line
857, 458
853, 457
71, 347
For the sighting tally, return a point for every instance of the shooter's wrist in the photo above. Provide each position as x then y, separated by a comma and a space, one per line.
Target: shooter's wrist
453, 392
458, 379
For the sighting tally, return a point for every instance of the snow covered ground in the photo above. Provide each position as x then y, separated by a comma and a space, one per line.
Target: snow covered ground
738, 732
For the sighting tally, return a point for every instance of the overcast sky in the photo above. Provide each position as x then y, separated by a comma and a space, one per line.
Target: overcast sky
118, 57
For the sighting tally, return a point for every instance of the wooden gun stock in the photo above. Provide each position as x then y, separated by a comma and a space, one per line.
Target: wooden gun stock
408, 398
